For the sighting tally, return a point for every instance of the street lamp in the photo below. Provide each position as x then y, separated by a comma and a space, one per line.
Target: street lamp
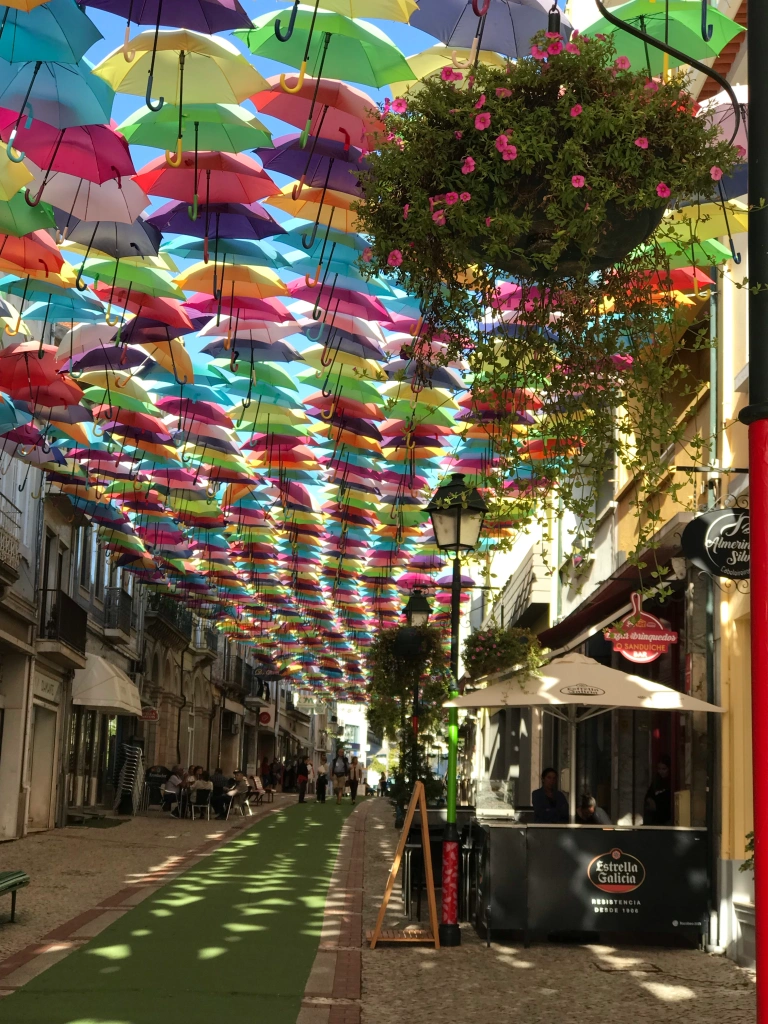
457, 514
418, 609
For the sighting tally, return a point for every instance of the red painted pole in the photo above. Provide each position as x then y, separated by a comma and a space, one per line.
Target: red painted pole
756, 415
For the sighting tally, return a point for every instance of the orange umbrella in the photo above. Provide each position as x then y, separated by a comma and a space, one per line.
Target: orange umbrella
34, 252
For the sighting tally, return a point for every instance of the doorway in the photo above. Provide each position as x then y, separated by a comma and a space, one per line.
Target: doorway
42, 769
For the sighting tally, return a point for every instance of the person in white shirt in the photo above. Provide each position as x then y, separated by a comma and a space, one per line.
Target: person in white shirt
171, 788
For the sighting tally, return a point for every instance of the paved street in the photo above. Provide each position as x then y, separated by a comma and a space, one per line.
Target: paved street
266, 923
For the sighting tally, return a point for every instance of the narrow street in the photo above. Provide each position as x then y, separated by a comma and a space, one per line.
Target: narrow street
266, 921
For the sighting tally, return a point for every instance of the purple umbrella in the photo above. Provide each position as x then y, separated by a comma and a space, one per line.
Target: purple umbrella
269, 351
144, 329
229, 220
507, 26
328, 164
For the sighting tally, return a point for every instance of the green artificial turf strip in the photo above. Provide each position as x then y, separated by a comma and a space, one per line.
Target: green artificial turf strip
231, 940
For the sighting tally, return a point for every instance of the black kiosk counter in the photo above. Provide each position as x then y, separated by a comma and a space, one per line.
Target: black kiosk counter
545, 879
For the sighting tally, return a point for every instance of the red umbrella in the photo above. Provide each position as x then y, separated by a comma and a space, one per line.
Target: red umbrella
335, 111
31, 252
166, 310
57, 392
190, 411
27, 364
214, 177
237, 305
96, 152
342, 300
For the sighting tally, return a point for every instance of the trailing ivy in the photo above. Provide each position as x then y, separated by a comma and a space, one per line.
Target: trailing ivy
496, 648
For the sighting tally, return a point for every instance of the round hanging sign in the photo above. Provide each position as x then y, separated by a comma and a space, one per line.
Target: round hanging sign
640, 637
718, 542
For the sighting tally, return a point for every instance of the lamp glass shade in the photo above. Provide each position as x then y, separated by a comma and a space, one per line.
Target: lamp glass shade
418, 609
457, 515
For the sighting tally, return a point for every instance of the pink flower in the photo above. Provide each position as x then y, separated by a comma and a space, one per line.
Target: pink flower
652, 86
468, 166
406, 208
459, 135
503, 93
501, 143
621, 361
642, 142
449, 75
465, 197
576, 110
572, 48
741, 151
510, 153
487, 222
451, 198
578, 181
537, 53
439, 217
387, 105
622, 63
603, 38
480, 103
553, 35
555, 48
715, 173
367, 255
400, 105
395, 258
663, 191
482, 121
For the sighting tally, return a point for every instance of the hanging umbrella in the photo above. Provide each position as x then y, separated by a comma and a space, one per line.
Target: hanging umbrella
32, 252
336, 46
221, 127
187, 65
327, 164
96, 152
342, 300
112, 238
719, 109
328, 109
167, 311
227, 220
57, 31
227, 250
677, 22
213, 177
62, 95
13, 175
18, 218
207, 16
431, 62
507, 25
126, 274
258, 282
324, 206
112, 200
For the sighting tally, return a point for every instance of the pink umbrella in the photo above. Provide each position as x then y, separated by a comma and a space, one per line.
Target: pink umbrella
96, 152
341, 300
242, 305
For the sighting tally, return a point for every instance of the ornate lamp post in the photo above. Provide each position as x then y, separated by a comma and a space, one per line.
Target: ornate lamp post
457, 514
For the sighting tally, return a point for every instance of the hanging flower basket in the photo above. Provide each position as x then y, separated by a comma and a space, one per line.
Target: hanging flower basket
560, 164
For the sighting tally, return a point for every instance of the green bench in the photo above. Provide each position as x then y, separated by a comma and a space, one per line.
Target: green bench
12, 881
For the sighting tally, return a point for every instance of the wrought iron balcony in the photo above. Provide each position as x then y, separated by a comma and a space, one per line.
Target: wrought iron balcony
118, 613
168, 621
10, 541
205, 639
63, 628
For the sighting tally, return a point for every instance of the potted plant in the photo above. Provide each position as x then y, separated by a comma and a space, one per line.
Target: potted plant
493, 649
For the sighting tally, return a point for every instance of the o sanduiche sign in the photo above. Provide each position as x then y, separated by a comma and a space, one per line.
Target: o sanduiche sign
616, 871
640, 637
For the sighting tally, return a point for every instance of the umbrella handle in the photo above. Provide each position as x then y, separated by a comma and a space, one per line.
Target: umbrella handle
128, 55
285, 36
148, 96
296, 88
706, 30
312, 237
347, 139
317, 337
108, 317
45, 268
480, 12
327, 414
173, 159
460, 64
192, 210
314, 284
298, 187
31, 200
13, 154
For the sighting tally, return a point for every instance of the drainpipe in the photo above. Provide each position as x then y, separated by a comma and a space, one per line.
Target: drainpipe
24, 787
181, 708
210, 720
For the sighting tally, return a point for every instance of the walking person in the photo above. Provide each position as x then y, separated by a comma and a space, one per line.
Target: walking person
383, 784
322, 778
356, 774
302, 777
340, 771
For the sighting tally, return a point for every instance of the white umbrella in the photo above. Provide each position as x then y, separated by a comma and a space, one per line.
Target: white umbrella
576, 681
116, 199
82, 338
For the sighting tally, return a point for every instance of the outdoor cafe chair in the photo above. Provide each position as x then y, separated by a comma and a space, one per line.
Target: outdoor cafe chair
201, 803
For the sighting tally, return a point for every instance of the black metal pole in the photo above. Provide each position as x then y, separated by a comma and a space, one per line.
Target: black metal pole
756, 415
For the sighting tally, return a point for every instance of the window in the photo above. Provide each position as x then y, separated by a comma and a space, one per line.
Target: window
84, 555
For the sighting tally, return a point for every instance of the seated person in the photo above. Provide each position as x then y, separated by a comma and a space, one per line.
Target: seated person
171, 789
239, 788
588, 813
202, 783
550, 806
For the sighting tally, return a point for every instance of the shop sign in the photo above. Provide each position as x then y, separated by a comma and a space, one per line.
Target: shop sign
149, 715
718, 542
266, 718
616, 872
641, 637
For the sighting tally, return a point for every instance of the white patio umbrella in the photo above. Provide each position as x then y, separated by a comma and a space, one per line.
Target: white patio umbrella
575, 681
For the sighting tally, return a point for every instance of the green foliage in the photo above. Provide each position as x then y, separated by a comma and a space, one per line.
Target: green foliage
402, 789
494, 649
394, 669
589, 359
749, 846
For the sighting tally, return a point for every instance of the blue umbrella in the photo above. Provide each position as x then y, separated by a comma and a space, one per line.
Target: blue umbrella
56, 31
64, 310
506, 26
62, 95
230, 250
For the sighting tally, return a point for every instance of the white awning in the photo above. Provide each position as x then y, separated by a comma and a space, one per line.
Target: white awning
106, 687
575, 679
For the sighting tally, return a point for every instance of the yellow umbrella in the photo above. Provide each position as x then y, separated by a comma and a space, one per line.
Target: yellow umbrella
257, 282
387, 10
173, 357
117, 382
431, 61
709, 220
13, 176
313, 357
24, 5
181, 65
335, 209
399, 390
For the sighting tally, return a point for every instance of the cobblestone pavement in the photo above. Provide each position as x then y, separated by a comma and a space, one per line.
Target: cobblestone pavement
545, 983
75, 868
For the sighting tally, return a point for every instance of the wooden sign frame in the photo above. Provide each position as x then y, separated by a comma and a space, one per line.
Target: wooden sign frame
377, 935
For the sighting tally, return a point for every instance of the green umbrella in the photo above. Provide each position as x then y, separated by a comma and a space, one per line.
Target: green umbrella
122, 274
677, 22
332, 45
222, 127
18, 218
